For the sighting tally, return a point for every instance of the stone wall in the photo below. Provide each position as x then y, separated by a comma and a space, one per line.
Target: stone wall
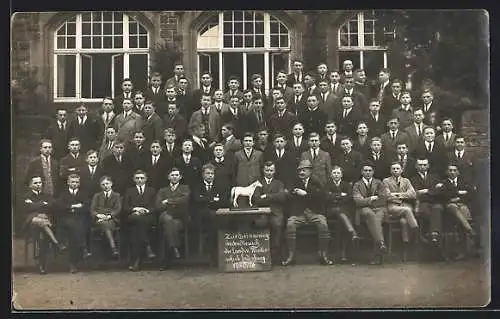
475, 128
169, 27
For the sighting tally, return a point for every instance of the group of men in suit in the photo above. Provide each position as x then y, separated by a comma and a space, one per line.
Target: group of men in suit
154, 151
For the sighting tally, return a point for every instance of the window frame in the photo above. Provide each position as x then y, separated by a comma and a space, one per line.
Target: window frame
78, 51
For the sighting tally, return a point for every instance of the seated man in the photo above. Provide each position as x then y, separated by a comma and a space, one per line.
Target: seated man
211, 194
272, 194
428, 205
36, 206
138, 205
400, 200
339, 203
105, 209
370, 195
74, 214
172, 204
307, 206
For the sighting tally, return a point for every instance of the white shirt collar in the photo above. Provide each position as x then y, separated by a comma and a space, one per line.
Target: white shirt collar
174, 186
186, 156
229, 138
126, 114
59, 123
196, 139
268, 180
72, 191
82, 119
207, 183
218, 160
92, 168
367, 181
454, 181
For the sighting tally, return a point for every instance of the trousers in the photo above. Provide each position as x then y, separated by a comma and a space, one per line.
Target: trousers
373, 218
76, 230
434, 214
275, 220
139, 228
169, 232
407, 218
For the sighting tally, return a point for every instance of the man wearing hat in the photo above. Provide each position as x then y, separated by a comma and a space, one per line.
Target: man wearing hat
307, 207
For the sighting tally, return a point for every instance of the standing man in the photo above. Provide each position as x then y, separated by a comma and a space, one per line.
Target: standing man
313, 118
287, 91
126, 93
57, 132
297, 76
128, 122
415, 131
206, 88
282, 120
153, 123
208, 116
85, 128
320, 160
248, 162
348, 117
44, 166
178, 73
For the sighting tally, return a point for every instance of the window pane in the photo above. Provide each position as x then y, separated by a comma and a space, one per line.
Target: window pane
228, 41
274, 27
373, 61
238, 28
97, 16
248, 15
369, 40
61, 43
96, 28
86, 42
107, 28
248, 28
274, 41
259, 27
238, 15
97, 42
132, 28
61, 31
344, 40
86, 28
259, 41
259, 16
143, 41
350, 55
118, 42
142, 30
249, 41
283, 28
71, 42
138, 70
107, 16
86, 16
118, 16
238, 41
353, 26
368, 26
353, 40
101, 74
66, 72
118, 28
228, 28
228, 16
86, 80
118, 73
133, 41
283, 40
107, 42
71, 28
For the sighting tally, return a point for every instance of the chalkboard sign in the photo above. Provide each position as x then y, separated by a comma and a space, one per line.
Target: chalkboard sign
244, 251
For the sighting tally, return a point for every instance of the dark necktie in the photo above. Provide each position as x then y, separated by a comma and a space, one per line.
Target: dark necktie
418, 130
429, 149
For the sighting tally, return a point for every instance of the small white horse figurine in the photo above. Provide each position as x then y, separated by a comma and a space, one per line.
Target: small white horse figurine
247, 191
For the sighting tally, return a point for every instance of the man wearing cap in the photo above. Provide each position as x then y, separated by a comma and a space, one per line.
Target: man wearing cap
307, 207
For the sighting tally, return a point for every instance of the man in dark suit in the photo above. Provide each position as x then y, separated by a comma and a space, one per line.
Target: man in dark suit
379, 160
282, 120
273, 195
106, 117
136, 151
350, 160
407, 162
348, 117
432, 150
321, 72
170, 98
172, 204
230, 142
174, 120
139, 101
156, 93
90, 174
119, 167
361, 141
85, 128
172, 148
201, 148
248, 162
126, 93
299, 101
313, 118
234, 90
393, 137
429, 106
152, 125
206, 88
179, 72
359, 100
415, 131
224, 165
258, 90
307, 207
297, 76
321, 163
377, 123
188, 165
57, 132
370, 196
74, 213
219, 104
156, 166
71, 163
382, 89
208, 196
447, 137
327, 100
330, 143
207, 116
391, 97
465, 160
284, 160
404, 112
184, 98
298, 143
45, 166
361, 84
234, 116
336, 88
287, 91
310, 85
138, 206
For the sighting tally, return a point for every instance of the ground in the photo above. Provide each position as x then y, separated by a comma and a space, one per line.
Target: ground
459, 284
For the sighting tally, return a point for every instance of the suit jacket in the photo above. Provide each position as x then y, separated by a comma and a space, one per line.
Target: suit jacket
112, 206
204, 199
59, 138
153, 129
361, 146
248, 169
291, 80
348, 125
404, 187
133, 199
103, 124
30, 210
88, 134
337, 91
197, 93
235, 120
429, 182
191, 172
178, 201
333, 149
157, 174
90, 183
313, 121
449, 191
376, 128
449, 144
174, 81
275, 194
66, 199
351, 164
313, 90
334, 194
297, 151
322, 165
118, 102
213, 121
225, 170
405, 117
221, 108
178, 123
329, 106
296, 108
314, 200
126, 127
202, 152
139, 110
136, 155
105, 151
176, 151
390, 145
184, 102
283, 124
408, 166
232, 146
35, 168
365, 90
389, 102
466, 165
437, 158
359, 100
249, 121
158, 99
381, 166
120, 172
435, 106
69, 165
413, 137
287, 92
284, 165
228, 95
361, 195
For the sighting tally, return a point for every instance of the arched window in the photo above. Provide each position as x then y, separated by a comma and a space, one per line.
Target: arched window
360, 42
95, 51
242, 43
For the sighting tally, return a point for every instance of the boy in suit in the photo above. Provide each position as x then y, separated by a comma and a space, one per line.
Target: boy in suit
339, 204
172, 204
188, 165
156, 166
298, 144
313, 118
106, 118
307, 207
336, 88
153, 123
273, 195
465, 160
310, 85
174, 120
331, 141
201, 147
74, 213
447, 137
429, 106
262, 142
183, 97
327, 100
170, 98
299, 102
207, 116
128, 122
118, 167
57, 132
407, 162
321, 72
415, 131
429, 148
358, 99
155, 93
71, 163
127, 88
350, 160
138, 206
321, 162
178, 73
248, 162
137, 151
378, 159
400, 202
45, 166
348, 117
234, 116
247, 101
281, 83
391, 97
36, 207
297, 76
282, 121
85, 128
377, 124
230, 142
108, 142
405, 112
206, 88
257, 115
105, 210
234, 89
208, 196
370, 196
224, 165
219, 104
393, 137
361, 83
361, 142
139, 101
284, 160
171, 147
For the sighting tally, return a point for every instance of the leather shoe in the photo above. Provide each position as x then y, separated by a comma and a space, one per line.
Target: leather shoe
86, 254
177, 255
289, 261
42, 270
324, 260
72, 269
114, 252
61, 247
135, 266
150, 253
382, 247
